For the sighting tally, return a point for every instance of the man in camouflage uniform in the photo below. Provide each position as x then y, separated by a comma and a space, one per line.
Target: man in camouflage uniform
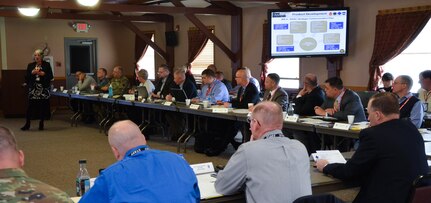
119, 82
15, 185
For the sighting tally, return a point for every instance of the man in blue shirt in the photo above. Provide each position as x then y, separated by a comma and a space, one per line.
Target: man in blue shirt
142, 174
213, 89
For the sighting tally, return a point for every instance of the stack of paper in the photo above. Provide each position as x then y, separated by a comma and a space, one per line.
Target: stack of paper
332, 156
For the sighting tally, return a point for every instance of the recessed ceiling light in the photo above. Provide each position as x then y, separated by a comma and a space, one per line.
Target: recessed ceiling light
88, 2
29, 11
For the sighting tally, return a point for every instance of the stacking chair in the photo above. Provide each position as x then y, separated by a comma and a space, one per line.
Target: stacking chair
421, 190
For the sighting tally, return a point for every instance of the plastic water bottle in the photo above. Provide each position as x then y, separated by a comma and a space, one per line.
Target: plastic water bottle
291, 110
82, 179
110, 91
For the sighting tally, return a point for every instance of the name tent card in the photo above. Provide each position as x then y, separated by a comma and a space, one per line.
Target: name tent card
77, 92
341, 126
105, 96
167, 103
220, 110
54, 90
65, 91
202, 168
194, 106
293, 119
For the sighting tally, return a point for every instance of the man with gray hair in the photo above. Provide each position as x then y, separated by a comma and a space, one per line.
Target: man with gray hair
271, 167
142, 174
15, 185
410, 106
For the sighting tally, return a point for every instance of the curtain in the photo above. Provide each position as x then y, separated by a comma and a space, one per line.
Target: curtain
266, 58
140, 48
394, 33
197, 42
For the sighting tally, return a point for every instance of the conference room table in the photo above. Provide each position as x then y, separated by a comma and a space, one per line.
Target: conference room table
320, 183
232, 114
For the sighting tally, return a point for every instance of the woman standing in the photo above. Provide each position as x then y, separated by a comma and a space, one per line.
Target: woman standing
38, 79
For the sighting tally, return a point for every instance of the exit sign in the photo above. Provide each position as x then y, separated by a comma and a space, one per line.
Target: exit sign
82, 27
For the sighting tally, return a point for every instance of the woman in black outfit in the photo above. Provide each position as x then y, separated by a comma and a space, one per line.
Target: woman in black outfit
38, 79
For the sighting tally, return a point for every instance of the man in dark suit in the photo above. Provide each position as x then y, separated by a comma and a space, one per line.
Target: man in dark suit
247, 93
391, 155
341, 102
275, 93
176, 120
164, 83
311, 95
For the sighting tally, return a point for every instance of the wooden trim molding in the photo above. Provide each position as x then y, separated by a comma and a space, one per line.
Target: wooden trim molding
405, 10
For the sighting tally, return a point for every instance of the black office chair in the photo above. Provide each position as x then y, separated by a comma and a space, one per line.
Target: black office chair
321, 198
421, 190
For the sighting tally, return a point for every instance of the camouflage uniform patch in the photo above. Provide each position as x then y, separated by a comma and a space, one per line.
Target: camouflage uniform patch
118, 85
16, 186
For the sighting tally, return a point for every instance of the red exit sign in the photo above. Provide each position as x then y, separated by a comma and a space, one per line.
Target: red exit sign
82, 27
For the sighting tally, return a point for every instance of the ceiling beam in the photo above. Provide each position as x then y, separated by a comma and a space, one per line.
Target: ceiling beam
114, 7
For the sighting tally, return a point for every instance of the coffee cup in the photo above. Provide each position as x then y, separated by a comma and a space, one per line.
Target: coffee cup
206, 103
350, 119
188, 102
61, 88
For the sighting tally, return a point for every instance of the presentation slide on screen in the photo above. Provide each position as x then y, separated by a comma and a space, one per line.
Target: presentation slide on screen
308, 32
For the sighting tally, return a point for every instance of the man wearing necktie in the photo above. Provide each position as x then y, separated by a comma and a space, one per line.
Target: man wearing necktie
212, 89
273, 92
345, 102
247, 93
340, 103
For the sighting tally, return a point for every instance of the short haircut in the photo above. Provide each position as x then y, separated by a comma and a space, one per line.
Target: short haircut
269, 112
245, 71
40, 52
335, 82
104, 70
180, 71
407, 80
385, 102
119, 68
143, 74
219, 73
274, 77
7, 139
311, 79
208, 72
387, 77
165, 67
426, 74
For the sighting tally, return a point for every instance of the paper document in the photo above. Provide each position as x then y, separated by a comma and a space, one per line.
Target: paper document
206, 179
332, 156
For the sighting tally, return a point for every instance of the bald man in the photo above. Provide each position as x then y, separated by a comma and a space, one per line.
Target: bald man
271, 167
15, 185
142, 174
311, 95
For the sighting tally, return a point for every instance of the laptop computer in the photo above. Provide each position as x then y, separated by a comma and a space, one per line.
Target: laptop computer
142, 91
179, 94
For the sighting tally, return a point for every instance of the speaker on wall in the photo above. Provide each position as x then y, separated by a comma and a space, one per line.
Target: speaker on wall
171, 38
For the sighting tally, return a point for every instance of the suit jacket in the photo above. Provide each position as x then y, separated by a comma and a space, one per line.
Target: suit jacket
304, 105
350, 105
189, 88
280, 97
390, 156
167, 88
249, 95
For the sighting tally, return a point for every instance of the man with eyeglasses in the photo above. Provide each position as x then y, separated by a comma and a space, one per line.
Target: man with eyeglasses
424, 93
410, 106
271, 167
164, 82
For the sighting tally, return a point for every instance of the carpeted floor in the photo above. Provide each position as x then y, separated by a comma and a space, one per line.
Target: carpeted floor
52, 155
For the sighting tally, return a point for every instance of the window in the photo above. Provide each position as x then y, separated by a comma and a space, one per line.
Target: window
147, 61
287, 69
205, 58
414, 59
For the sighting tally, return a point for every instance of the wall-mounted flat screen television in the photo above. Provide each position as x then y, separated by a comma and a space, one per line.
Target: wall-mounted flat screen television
308, 32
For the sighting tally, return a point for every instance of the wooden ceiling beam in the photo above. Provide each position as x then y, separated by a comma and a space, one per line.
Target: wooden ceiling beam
114, 7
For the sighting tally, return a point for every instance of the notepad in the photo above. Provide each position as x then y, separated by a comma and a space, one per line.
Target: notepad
332, 156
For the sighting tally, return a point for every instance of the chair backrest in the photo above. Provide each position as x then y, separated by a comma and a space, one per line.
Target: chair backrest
320, 198
421, 190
